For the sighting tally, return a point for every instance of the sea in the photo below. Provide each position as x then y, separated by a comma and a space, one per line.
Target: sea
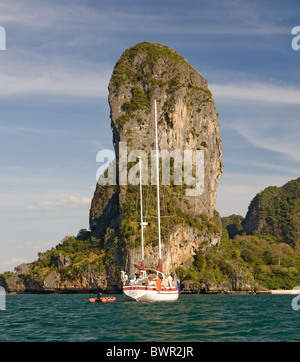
193, 318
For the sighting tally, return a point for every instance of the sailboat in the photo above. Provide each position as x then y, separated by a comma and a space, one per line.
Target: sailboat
150, 284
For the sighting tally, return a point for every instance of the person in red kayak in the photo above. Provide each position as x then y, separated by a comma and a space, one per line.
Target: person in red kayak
98, 299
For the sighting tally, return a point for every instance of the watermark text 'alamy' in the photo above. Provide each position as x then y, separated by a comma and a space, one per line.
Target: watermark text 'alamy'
2, 38
296, 39
188, 168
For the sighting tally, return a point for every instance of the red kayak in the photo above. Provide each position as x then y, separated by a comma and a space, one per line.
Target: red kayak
103, 300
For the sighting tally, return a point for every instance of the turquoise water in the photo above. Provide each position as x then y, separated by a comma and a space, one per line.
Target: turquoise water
193, 318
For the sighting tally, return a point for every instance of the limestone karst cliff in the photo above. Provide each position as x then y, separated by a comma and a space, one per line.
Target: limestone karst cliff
187, 121
188, 130
276, 211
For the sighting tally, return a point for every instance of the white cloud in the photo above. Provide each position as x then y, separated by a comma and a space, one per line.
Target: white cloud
37, 245
244, 19
62, 203
60, 82
32, 13
281, 168
266, 115
255, 92
65, 28
260, 133
47, 47
13, 262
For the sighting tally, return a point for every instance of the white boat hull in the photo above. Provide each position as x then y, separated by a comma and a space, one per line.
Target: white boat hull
148, 294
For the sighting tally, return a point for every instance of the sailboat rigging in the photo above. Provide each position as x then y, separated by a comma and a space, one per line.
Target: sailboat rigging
142, 223
150, 284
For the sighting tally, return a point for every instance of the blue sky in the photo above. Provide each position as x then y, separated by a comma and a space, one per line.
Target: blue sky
55, 117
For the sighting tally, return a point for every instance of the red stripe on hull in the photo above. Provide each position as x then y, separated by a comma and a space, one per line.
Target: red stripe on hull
148, 288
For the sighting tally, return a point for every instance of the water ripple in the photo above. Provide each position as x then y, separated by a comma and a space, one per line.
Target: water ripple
191, 318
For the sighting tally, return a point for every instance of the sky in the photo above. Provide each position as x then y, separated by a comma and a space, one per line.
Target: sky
54, 112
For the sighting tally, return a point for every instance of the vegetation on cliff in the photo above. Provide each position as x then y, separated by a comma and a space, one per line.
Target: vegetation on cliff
69, 260
137, 70
241, 260
249, 259
80, 255
270, 255
276, 211
127, 70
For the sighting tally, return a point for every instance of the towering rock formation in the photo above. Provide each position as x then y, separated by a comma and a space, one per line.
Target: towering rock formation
187, 121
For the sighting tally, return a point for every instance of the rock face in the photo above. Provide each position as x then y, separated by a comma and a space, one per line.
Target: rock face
234, 284
90, 281
186, 111
276, 211
187, 121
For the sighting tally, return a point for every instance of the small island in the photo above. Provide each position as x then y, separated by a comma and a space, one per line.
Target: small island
210, 254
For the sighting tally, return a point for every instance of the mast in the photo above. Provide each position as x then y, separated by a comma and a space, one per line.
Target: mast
159, 267
142, 266
141, 197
